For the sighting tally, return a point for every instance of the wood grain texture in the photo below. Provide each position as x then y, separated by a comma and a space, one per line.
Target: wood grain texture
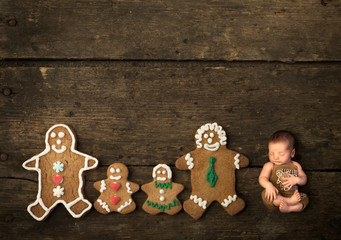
285, 30
146, 113
318, 221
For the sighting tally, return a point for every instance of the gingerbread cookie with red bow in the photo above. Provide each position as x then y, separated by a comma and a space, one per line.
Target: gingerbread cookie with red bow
162, 192
60, 170
212, 168
116, 191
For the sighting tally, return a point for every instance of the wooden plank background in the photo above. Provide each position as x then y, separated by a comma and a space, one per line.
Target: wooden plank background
135, 79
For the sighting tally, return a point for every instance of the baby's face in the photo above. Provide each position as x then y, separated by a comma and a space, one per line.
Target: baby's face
280, 153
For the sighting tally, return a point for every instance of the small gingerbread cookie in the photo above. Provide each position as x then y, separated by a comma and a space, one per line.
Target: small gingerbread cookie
162, 192
60, 170
212, 168
116, 191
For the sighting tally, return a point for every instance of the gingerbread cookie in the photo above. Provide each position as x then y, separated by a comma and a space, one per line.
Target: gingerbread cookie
60, 170
116, 191
212, 168
162, 192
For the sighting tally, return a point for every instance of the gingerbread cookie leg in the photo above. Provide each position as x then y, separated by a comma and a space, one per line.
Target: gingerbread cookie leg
232, 204
195, 206
78, 207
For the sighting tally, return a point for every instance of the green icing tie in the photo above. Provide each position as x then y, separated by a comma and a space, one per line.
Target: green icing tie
211, 177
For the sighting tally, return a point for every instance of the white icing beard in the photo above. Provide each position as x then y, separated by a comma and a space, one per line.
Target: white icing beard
212, 147
161, 178
61, 150
115, 178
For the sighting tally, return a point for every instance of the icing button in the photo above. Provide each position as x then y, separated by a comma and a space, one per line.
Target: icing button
162, 198
162, 191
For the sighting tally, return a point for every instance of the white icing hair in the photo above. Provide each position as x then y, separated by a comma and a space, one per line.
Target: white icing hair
169, 171
213, 127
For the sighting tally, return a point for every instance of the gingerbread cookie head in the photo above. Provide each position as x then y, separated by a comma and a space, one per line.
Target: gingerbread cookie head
117, 171
60, 138
162, 173
211, 137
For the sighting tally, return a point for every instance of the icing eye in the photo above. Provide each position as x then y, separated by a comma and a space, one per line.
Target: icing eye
209, 140
118, 170
164, 172
112, 170
211, 134
158, 172
53, 135
206, 135
61, 134
59, 141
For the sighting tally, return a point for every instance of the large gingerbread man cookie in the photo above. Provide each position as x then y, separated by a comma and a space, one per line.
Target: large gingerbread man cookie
212, 168
60, 170
116, 191
162, 192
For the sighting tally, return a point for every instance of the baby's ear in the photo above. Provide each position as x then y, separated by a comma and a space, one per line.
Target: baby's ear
293, 153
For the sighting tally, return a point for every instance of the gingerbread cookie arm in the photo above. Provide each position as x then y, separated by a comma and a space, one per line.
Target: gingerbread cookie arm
132, 187
186, 162
90, 162
31, 164
240, 160
147, 187
179, 188
97, 185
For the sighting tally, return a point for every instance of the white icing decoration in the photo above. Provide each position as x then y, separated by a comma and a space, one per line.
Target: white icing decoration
58, 191
112, 170
59, 141
118, 170
58, 166
103, 187
210, 140
212, 127
236, 160
229, 200
189, 161
162, 191
206, 135
128, 188
212, 147
115, 178
53, 135
158, 172
126, 204
63, 148
162, 198
61, 134
199, 201
211, 134
164, 172
169, 171
104, 205
80, 178
161, 178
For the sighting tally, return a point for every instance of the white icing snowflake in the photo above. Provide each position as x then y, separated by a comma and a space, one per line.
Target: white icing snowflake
58, 191
58, 166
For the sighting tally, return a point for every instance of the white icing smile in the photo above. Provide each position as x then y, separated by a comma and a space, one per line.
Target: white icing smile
61, 150
161, 178
212, 147
115, 178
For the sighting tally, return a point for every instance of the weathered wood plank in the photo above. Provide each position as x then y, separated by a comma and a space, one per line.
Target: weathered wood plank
318, 221
144, 113
281, 30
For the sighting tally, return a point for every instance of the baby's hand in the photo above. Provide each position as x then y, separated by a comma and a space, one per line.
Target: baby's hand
289, 181
271, 193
